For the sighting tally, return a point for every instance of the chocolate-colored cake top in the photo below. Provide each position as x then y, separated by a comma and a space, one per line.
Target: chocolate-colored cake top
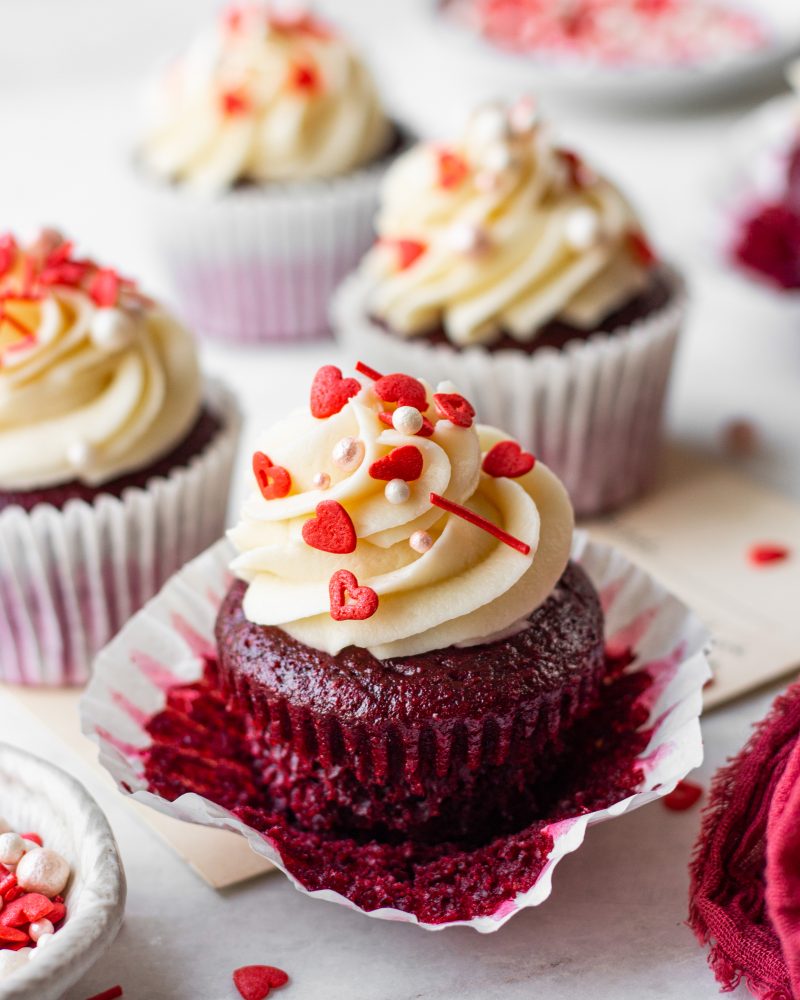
565, 633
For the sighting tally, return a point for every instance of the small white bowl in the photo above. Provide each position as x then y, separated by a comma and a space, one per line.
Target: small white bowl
37, 796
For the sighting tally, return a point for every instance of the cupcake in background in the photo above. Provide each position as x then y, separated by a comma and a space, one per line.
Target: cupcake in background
505, 262
114, 456
763, 238
263, 150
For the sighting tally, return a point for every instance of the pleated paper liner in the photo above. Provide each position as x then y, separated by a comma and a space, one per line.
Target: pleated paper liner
166, 738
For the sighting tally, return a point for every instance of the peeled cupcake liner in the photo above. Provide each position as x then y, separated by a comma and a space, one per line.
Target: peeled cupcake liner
71, 577
593, 412
167, 642
258, 264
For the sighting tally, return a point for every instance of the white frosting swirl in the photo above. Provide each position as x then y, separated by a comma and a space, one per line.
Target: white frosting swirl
262, 98
468, 585
87, 392
506, 231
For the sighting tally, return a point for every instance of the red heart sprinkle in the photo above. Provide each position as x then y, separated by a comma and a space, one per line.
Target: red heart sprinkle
331, 530
641, 248
453, 407
764, 555
401, 463
25, 910
273, 480
403, 390
8, 885
235, 102
255, 981
330, 392
425, 431
10, 935
32, 836
57, 914
363, 600
407, 251
684, 796
506, 458
104, 287
453, 169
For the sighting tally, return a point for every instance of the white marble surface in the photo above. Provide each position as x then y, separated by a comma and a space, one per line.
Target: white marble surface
613, 928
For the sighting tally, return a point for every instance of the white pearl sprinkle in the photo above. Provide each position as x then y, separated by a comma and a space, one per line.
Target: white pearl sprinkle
81, 455
11, 848
581, 228
44, 939
446, 386
523, 116
468, 239
489, 124
486, 181
397, 491
420, 541
44, 871
348, 453
40, 927
112, 329
407, 420
497, 158
321, 481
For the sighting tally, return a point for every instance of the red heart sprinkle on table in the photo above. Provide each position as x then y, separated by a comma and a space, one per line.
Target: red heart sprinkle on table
506, 458
330, 391
273, 480
766, 554
407, 251
480, 522
453, 169
110, 994
369, 372
641, 249
385, 416
684, 796
331, 530
454, 407
255, 981
401, 463
363, 601
403, 390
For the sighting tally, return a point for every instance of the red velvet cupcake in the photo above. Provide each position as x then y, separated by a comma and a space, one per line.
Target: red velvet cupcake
408, 640
106, 434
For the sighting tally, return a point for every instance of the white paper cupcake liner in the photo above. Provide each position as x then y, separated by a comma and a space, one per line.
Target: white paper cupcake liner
259, 264
592, 412
71, 577
165, 644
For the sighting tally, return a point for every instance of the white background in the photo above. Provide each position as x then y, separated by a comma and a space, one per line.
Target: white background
69, 77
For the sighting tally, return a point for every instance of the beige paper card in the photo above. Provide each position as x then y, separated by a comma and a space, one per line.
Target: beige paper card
694, 534
223, 859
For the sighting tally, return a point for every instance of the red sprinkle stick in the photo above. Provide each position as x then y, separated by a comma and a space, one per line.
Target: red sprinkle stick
366, 370
480, 522
110, 994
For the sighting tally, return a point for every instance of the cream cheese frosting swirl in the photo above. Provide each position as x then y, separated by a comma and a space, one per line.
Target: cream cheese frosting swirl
260, 97
461, 585
501, 232
95, 380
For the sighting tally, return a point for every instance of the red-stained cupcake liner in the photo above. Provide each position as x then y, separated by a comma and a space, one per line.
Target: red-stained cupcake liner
592, 412
167, 739
71, 577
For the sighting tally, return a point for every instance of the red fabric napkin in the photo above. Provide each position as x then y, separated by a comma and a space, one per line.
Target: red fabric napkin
745, 891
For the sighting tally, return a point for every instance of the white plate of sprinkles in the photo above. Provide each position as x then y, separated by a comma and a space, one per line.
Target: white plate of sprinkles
634, 51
